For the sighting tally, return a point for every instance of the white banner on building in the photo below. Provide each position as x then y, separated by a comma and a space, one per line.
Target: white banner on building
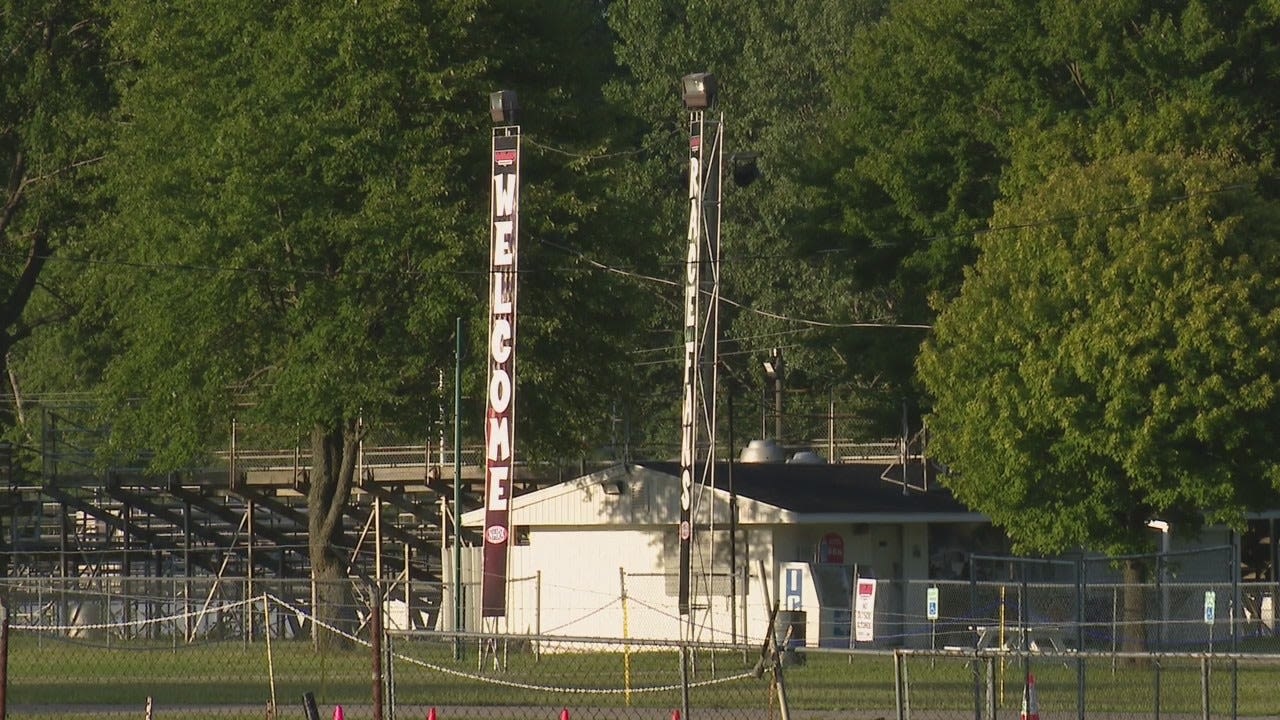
864, 610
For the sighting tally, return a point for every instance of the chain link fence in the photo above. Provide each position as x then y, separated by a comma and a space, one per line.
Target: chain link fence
235, 647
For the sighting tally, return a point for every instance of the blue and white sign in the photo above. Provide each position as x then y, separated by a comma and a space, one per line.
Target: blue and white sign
1210, 600
794, 596
931, 603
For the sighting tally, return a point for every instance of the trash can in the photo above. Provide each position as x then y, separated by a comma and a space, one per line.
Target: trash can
790, 628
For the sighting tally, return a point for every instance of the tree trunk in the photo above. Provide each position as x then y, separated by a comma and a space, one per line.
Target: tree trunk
333, 466
1134, 616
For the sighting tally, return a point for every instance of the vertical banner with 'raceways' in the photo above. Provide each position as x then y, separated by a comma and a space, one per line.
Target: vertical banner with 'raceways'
689, 411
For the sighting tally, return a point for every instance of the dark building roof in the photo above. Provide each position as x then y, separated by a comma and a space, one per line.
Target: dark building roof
870, 488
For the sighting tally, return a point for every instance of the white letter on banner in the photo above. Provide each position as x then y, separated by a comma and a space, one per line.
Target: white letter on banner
502, 254
501, 298
499, 341
499, 439
499, 390
504, 194
496, 500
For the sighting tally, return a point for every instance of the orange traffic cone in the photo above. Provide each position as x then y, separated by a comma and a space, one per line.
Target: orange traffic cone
337, 713
431, 714
1030, 702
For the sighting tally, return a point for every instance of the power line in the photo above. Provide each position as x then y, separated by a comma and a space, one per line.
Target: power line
588, 157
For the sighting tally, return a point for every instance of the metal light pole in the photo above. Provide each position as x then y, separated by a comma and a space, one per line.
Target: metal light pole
701, 317
457, 480
1162, 573
773, 369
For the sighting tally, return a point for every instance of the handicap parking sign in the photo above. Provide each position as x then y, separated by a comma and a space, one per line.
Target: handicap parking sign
1210, 599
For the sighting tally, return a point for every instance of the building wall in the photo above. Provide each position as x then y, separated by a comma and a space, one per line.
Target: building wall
895, 555
569, 581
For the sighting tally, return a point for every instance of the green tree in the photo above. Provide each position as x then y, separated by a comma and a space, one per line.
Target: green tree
53, 100
1110, 357
943, 97
778, 65
298, 211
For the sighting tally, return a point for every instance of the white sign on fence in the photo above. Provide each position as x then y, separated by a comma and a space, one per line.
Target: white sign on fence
1210, 599
864, 611
931, 603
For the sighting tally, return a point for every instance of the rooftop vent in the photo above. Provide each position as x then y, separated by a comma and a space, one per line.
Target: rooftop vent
762, 451
807, 457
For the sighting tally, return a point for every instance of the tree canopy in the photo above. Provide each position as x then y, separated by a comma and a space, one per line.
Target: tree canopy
289, 214
54, 101
1110, 357
298, 205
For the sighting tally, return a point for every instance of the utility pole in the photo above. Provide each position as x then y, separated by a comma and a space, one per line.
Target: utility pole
773, 370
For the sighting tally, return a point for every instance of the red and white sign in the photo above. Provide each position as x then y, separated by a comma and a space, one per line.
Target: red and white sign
500, 415
831, 549
864, 610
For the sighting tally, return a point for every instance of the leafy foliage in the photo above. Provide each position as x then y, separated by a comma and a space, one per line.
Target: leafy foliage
294, 215
54, 97
784, 275
282, 192
1110, 360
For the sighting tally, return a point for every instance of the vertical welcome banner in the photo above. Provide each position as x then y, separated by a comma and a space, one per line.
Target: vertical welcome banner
689, 410
499, 436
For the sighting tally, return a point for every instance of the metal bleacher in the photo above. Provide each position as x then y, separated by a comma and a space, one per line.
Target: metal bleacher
243, 514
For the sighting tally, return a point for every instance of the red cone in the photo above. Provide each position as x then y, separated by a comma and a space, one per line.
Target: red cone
675, 715
337, 713
1030, 703
564, 714
431, 714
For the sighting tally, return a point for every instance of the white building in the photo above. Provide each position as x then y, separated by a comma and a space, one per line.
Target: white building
597, 556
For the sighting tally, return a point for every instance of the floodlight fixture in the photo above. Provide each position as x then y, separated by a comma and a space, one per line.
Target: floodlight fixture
503, 107
699, 90
745, 169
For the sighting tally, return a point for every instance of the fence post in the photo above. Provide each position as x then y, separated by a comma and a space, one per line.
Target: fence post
900, 684
626, 646
1156, 666
989, 667
1162, 593
4, 659
375, 646
1204, 687
1080, 580
684, 682
1237, 617
389, 673
1024, 618
973, 613
309, 706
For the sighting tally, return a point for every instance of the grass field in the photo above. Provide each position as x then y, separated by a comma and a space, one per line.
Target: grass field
62, 678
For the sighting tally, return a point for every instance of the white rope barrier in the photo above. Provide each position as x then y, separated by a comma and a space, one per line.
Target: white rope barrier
513, 683
142, 622
405, 658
